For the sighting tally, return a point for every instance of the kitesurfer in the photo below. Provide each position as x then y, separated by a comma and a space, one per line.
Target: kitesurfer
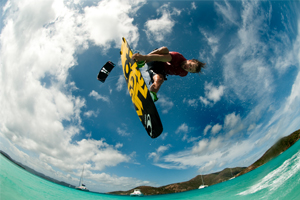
162, 62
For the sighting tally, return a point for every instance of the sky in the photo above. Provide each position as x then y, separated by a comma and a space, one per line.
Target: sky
57, 118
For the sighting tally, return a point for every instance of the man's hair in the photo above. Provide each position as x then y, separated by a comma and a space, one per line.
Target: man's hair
199, 65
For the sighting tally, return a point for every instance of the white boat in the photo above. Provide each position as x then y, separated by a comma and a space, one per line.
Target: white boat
136, 193
202, 186
81, 185
232, 177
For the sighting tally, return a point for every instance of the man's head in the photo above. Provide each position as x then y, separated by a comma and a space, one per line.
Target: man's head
193, 66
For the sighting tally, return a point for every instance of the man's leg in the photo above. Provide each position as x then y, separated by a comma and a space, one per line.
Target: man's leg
157, 75
158, 80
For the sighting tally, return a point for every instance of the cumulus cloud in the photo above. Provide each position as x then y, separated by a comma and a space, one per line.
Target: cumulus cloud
207, 128
212, 154
191, 102
213, 94
207, 154
165, 103
216, 129
120, 83
39, 113
91, 113
158, 29
251, 127
208, 166
206, 145
97, 96
122, 132
233, 123
204, 101
104, 181
163, 136
231, 120
41, 109
159, 151
183, 128
193, 6
112, 20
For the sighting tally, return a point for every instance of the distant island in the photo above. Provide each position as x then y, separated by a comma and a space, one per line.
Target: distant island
214, 178
279, 147
32, 171
209, 179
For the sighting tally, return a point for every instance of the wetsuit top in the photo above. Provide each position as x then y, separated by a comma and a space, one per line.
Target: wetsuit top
174, 66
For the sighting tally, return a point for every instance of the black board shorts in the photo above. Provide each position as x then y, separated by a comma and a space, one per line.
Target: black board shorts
156, 67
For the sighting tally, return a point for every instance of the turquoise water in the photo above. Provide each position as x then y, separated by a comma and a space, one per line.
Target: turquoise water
278, 179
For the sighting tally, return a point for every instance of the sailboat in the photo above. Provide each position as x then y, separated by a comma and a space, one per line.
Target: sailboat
136, 193
202, 186
81, 185
232, 177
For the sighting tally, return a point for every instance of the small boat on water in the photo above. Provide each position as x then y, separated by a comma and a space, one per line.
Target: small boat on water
232, 177
202, 186
136, 193
81, 185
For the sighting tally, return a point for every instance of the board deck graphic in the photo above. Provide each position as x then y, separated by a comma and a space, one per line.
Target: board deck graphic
139, 93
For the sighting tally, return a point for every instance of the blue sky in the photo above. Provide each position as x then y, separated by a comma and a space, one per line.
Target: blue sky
56, 117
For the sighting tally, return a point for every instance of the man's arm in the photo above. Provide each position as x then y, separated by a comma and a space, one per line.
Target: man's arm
161, 50
162, 54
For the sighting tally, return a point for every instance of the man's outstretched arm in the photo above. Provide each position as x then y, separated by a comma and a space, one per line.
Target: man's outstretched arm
161, 50
162, 54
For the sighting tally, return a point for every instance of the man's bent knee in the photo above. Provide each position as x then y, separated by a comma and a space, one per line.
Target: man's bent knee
158, 81
158, 78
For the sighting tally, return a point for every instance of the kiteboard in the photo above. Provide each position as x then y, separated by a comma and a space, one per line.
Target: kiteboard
139, 93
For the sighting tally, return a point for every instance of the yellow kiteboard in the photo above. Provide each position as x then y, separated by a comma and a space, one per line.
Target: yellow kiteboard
139, 93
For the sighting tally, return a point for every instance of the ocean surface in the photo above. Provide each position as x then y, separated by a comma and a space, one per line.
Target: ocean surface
277, 179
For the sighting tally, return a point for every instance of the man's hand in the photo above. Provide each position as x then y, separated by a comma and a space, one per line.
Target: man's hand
138, 57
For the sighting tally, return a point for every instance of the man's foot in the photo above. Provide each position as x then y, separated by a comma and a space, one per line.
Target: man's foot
153, 96
140, 64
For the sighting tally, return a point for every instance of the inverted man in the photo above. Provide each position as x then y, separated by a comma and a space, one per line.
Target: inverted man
161, 62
